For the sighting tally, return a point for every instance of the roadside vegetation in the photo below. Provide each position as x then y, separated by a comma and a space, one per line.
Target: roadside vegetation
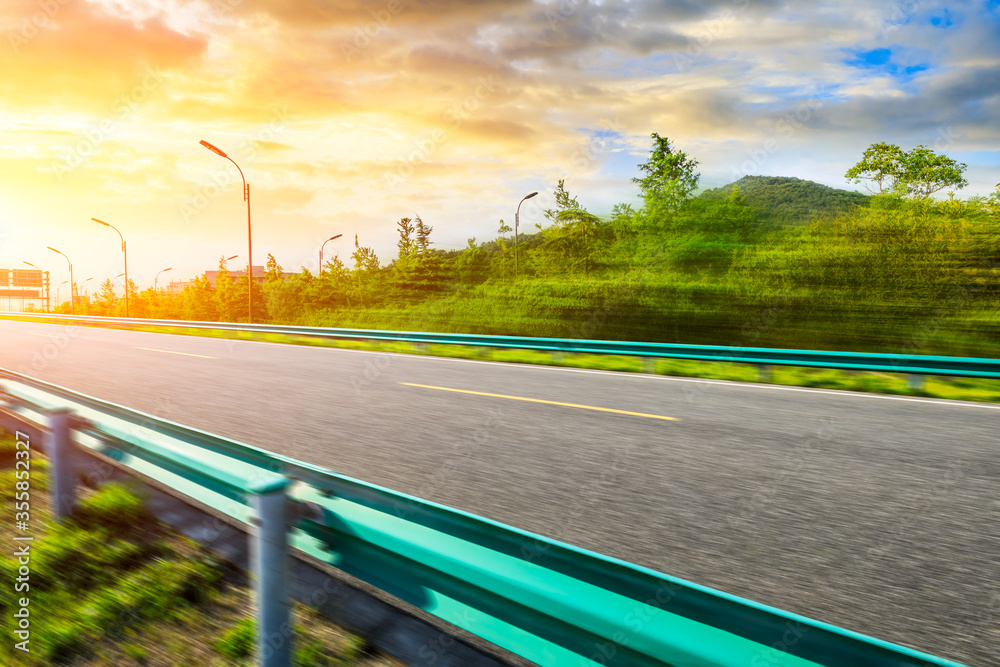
787, 264
112, 586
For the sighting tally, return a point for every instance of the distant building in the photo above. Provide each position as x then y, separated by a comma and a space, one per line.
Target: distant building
259, 277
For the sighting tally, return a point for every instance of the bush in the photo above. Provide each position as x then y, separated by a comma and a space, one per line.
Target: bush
115, 509
238, 641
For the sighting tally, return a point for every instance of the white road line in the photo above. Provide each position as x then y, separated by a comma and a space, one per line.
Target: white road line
186, 354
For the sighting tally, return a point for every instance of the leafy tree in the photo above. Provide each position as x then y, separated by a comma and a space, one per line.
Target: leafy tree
736, 197
366, 285
882, 165
576, 238
137, 305
472, 265
106, 301
920, 172
333, 285
670, 175
927, 172
273, 286
272, 270
229, 303
198, 301
623, 220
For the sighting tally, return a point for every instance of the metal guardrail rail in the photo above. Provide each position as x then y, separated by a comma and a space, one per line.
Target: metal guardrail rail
913, 364
547, 601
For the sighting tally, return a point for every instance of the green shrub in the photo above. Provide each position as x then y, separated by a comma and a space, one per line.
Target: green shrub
114, 508
238, 641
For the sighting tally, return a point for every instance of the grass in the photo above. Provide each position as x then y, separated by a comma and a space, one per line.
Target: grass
954, 388
113, 586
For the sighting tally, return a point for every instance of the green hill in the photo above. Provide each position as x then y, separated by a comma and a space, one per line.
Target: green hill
784, 200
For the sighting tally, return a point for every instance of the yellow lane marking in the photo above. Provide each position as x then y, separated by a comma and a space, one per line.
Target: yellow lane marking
538, 400
186, 354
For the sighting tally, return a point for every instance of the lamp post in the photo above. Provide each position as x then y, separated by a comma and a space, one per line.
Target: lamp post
225, 265
321, 251
72, 309
517, 215
156, 280
46, 284
101, 222
246, 196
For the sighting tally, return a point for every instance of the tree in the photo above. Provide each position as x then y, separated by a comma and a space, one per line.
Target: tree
273, 286
564, 202
919, 173
407, 246
366, 281
927, 172
365, 259
423, 236
882, 164
579, 239
670, 175
198, 302
472, 264
273, 270
106, 300
503, 243
228, 303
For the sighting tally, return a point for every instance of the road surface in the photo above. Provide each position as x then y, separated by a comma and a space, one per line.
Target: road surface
877, 514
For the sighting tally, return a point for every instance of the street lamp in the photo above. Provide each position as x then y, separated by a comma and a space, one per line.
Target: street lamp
72, 310
246, 196
225, 265
517, 215
101, 222
46, 284
156, 280
321, 251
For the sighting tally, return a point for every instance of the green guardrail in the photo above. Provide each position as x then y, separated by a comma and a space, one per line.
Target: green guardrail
914, 364
549, 602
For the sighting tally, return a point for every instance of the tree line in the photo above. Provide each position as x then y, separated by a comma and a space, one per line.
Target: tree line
895, 271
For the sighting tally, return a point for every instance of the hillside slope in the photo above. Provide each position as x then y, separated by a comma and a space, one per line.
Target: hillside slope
786, 200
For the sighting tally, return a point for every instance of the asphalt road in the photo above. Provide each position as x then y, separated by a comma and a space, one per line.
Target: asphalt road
877, 514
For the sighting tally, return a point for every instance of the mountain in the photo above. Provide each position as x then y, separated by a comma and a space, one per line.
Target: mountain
784, 200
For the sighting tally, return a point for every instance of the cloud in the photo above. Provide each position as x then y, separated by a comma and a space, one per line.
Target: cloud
324, 102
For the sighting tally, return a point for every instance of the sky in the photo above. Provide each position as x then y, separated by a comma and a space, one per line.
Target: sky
347, 115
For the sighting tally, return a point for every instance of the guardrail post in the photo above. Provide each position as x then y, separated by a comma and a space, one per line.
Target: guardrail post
269, 566
763, 373
60, 453
557, 356
649, 364
915, 381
